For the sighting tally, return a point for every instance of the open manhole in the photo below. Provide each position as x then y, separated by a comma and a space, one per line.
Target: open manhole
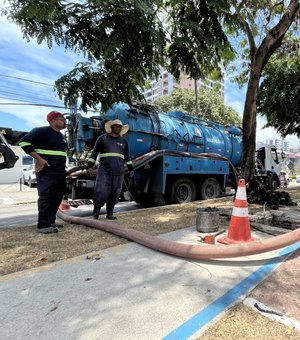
275, 222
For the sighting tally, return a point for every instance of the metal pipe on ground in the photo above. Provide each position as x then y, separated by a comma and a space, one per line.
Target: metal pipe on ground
188, 250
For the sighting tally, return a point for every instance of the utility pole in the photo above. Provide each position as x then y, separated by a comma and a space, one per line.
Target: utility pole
196, 98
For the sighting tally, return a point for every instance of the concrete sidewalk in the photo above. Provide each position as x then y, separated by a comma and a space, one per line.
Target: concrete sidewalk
17, 193
127, 292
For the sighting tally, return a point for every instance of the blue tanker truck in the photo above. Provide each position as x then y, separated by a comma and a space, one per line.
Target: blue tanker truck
177, 158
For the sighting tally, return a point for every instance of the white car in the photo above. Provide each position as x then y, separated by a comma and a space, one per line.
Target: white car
29, 176
298, 178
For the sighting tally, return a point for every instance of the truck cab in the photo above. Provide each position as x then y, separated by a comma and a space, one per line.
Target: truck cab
267, 165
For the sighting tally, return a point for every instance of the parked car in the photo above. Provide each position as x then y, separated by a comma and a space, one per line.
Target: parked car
298, 178
29, 176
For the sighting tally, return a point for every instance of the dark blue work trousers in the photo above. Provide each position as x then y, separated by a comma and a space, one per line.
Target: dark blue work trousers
107, 189
50, 189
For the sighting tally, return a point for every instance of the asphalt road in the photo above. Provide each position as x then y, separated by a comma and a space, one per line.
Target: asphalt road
19, 215
26, 214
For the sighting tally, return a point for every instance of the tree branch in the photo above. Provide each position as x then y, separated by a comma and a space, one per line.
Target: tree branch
275, 36
246, 28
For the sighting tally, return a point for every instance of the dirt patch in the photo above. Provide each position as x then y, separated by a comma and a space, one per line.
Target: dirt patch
241, 322
23, 248
281, 289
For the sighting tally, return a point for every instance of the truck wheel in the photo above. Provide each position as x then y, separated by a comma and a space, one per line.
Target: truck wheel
210, 189
183, 191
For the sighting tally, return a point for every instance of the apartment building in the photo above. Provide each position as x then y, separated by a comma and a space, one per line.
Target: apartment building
280, 144
167, 83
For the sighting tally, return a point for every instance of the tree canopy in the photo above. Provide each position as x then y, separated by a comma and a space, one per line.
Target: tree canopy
261, 29
211, 106
125, 42
279, 97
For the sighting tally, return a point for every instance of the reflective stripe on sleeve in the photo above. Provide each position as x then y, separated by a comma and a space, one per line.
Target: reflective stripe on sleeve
91, 160
111, 154
24, 144
51, 152
129, 162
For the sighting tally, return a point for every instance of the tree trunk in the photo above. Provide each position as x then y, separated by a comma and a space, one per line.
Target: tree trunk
259, 58
249, 127
196, 99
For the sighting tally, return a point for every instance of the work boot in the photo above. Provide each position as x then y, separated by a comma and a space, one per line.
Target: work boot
96, 212
56, 225
49, 230
111, 216
110, 211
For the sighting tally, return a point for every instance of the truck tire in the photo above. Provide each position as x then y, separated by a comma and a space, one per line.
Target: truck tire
183, 191
210, 188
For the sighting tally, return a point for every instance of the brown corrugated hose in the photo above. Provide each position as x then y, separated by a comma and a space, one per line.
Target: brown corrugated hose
188, 250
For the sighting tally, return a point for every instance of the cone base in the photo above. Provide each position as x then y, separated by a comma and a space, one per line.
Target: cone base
227, 240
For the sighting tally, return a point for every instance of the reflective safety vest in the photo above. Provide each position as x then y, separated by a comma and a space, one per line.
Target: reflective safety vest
50, 145
113, 154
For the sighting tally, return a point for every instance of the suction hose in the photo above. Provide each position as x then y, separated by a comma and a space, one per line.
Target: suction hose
188, 250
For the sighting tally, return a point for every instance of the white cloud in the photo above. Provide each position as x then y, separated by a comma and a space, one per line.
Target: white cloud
38, 63
270, 133
33, 62
235, 98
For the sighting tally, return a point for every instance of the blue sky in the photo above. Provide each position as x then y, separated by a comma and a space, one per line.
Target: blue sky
38, 63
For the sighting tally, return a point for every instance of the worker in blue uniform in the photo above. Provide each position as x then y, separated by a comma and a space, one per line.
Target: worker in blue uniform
48, 147
113, 151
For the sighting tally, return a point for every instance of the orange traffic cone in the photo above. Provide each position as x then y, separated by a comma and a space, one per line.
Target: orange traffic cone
64, 206
239, 227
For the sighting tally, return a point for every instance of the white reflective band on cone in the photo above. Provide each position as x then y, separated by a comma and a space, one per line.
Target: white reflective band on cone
241, 194
240, 212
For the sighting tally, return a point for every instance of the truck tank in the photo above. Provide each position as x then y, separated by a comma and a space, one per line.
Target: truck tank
177, 158
151, 130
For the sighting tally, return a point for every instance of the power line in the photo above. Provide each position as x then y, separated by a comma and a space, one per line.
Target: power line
34, 104
22, 91
16, 96
30, 81
16, 99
